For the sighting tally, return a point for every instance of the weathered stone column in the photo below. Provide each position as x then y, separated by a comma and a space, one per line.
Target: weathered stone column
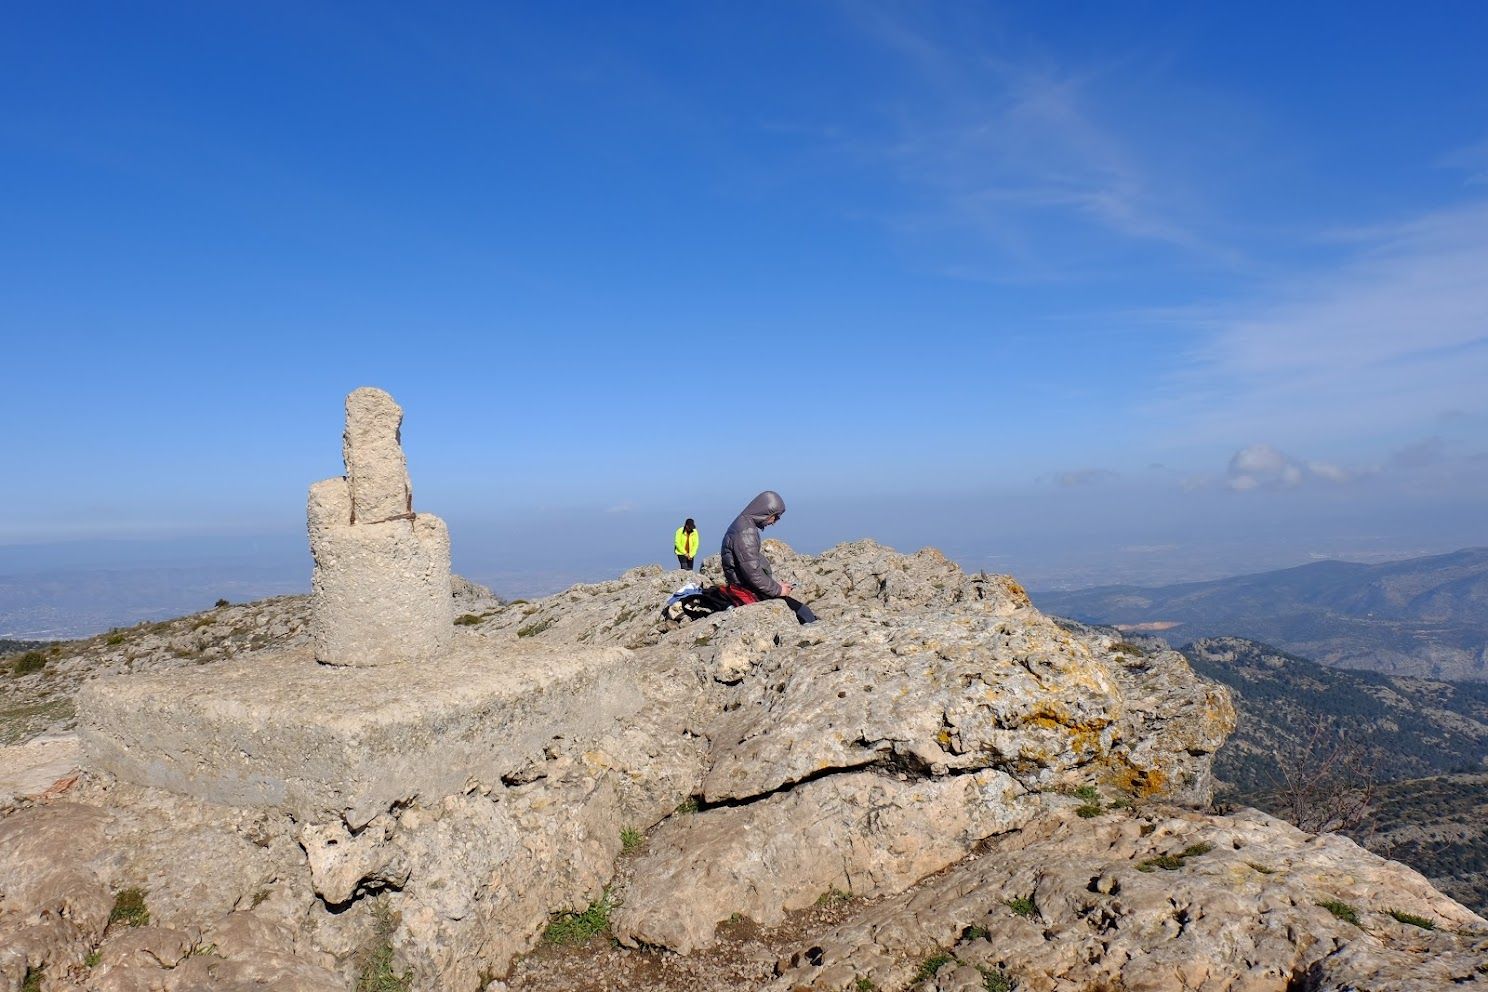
381, 588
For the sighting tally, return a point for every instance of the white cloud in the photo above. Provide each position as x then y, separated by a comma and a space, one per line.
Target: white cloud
1262, 466
1389, 338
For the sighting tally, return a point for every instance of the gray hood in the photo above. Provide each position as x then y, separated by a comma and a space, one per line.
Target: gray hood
767, 504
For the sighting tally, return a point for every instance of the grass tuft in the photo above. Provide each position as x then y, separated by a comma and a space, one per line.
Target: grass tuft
575, 928
32, 981
1022, 906
130, 909
1172, 862
931, 965
377, 974
995, 979
467, 620
1411, 918
535, 628
31, 661
631, 838
1342, 910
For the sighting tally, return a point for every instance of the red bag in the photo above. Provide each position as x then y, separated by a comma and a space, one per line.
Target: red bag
739, 595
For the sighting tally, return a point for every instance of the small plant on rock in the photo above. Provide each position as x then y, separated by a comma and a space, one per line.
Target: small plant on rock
31, 661
1342, 910
861, 984
995, 979
1022, 906
975, 932
1092, 801
931, 965
1412, 919
688, 806
631, 838
220, 604
130, 909
32, 981
1172, 862
834, 897
467, 620
377, 974
575, 928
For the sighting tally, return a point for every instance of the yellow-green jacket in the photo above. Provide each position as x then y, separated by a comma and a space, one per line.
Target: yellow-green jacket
686, 544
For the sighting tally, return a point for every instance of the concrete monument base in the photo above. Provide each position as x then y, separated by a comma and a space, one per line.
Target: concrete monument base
281, 731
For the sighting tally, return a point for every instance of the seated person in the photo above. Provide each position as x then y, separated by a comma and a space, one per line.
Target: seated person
746, 566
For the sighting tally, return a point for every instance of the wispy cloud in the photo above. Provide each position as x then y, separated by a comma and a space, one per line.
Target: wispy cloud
1386, 340
1021, 149
1084, 477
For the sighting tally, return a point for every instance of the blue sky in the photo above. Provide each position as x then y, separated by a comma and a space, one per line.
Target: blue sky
1077, 290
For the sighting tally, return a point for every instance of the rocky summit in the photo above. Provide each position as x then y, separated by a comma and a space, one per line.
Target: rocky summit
934, 787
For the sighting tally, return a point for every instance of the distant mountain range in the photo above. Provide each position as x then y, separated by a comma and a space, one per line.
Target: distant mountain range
1423, 617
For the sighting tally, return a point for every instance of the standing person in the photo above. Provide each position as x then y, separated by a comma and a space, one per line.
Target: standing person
686, 544
746, 566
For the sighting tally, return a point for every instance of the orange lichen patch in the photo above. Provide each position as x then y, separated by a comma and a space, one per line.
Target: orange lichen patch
1140, 783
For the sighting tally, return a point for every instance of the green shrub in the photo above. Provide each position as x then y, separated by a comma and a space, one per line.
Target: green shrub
32, 981
688, 806
631, 838
1342, 910
31, 661
574, 928
995, 979
1022, 906
114, 640
129, 908
467, 620
220, 604
1172, 862
834, 897
533, 629
861, 984
975, 932
931, 965
1412, 919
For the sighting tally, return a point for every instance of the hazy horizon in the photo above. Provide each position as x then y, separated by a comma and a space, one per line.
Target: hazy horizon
79, 588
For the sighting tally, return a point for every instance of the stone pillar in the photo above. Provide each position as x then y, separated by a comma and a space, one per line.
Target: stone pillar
381, 588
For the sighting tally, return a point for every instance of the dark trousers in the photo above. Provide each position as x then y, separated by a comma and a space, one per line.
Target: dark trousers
684, 562
801, 610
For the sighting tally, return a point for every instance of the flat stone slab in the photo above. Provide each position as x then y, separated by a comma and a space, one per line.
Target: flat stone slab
30, 769
279, 730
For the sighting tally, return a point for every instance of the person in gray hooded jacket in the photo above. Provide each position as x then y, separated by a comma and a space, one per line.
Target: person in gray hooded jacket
743, 562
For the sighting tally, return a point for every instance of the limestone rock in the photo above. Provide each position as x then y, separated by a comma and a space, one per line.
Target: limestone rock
862, 834
1071, 903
